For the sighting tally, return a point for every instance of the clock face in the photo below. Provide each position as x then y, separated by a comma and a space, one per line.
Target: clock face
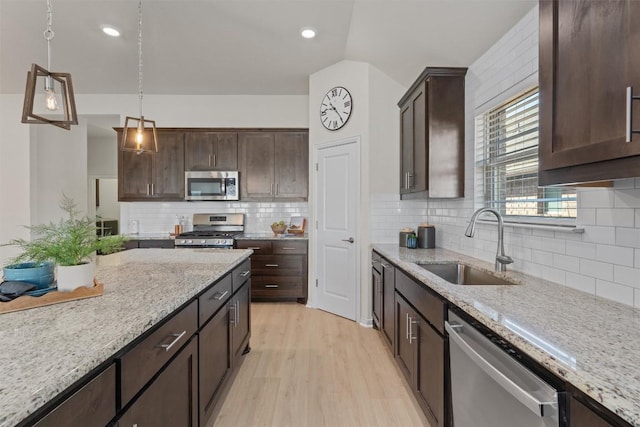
335, 109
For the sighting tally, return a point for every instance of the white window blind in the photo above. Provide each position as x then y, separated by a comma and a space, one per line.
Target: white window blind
508, 157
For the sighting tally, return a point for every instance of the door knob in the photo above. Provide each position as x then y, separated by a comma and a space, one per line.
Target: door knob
350, 240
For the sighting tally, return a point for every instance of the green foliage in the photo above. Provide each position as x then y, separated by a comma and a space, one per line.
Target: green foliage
71, 241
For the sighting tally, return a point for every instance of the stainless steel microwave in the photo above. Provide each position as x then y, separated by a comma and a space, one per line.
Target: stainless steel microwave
211, 185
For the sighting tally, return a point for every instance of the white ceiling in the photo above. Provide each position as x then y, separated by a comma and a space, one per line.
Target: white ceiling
244, 46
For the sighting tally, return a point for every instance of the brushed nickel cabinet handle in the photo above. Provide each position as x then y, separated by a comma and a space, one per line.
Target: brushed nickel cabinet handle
407, 325
277, 189
411, 323
218, 296
271, 265
209, 160
245, 273
629, 131
288, 249
237, 312
255, 249
177, 338
232, 316
214, 160
270, 286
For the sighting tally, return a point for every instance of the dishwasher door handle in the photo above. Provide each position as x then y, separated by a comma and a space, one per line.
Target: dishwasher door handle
531, 402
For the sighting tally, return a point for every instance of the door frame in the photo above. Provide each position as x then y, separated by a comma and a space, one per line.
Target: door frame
312, 301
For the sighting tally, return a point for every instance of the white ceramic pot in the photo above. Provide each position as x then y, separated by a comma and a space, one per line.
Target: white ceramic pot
74, 276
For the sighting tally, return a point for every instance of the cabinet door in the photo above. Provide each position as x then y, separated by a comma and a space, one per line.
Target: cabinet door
291, 165
172, 398
388, 291
429, 373
168, 166
198, 151
241, 324
404, 348
134, 175
214, 361
376, 297
256, 165
582, 416
413, 143
588, 56
225, 151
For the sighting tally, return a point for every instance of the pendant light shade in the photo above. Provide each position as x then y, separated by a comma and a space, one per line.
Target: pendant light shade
48, 96
139, 134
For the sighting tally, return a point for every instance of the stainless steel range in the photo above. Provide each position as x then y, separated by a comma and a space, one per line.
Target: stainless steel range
212, 231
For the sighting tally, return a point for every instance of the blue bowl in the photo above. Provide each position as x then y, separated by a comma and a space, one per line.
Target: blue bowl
40, 274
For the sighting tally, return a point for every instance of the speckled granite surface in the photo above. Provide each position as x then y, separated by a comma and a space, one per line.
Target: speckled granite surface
45, 350
271, 236
590, 342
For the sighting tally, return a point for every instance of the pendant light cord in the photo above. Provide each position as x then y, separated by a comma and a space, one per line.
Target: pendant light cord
48, 33
139, 55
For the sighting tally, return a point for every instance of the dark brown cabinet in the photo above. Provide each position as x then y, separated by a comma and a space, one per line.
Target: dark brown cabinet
240, 321
172, 398
278, 269
274, 165
432, 135
158, 176
420, 345
92, 405
383, 281
211, 151
588, 58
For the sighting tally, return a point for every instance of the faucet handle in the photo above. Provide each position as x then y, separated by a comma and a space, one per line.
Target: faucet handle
504, 259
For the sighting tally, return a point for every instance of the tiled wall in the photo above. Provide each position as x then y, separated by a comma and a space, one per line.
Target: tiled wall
603, 261
161, 217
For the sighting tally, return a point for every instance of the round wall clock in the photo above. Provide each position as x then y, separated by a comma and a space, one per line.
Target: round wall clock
335, 109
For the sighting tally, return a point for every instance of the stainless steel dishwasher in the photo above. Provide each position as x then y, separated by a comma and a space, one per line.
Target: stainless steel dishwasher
490, 388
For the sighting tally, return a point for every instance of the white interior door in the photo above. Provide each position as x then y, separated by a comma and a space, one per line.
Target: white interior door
338, 198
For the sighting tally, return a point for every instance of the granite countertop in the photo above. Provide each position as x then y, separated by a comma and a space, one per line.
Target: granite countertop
590, 342
47, 349
271, 236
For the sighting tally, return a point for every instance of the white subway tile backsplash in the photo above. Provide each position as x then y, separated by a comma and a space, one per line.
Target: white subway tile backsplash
626, 276
629, 237
553, 274
615, 292
615, 255
581, 282
598, 234
567, 263
595, 198
615, 217
597, 269
581, 249
542, 257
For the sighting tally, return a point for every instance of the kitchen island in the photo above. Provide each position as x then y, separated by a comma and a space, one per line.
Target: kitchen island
49, 349
589, 342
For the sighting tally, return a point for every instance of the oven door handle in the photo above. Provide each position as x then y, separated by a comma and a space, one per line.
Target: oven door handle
531, 402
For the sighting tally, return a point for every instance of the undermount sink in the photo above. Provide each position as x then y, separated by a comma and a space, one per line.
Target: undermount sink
461, 274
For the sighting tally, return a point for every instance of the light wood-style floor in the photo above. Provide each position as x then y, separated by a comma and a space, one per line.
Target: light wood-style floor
311, 368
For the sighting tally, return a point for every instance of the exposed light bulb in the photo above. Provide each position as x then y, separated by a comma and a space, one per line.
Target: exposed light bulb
140, 136
50, 95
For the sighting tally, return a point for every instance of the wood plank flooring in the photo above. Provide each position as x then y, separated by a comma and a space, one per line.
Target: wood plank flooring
311, 368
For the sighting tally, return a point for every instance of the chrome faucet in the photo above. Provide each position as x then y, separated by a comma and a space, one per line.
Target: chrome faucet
501, 259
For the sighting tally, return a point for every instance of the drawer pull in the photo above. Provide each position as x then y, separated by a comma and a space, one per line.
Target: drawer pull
270, 286
271, 265
255, 249
167, 347
218, 296
245, 273
289, 249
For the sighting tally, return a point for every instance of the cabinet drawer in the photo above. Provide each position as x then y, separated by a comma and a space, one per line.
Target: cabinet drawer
276, 286
280, 265
429, 305
214, 298
92, 405
290, 247
147, 357
259, 246
241, 273
156, 243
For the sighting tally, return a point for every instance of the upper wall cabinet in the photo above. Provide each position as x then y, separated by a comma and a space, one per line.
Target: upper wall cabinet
211, 151
153, 177
432, 135
274, 165
589, 58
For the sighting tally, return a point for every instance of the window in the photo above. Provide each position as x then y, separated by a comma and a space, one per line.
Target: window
508, 162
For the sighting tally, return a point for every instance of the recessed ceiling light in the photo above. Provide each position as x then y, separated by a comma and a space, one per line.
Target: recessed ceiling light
308, 32
110, 31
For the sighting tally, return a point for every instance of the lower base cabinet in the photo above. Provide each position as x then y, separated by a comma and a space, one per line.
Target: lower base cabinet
240, 330
420, 346
172, 398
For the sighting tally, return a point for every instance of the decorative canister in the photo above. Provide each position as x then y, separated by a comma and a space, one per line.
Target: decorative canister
426, 236
412, 241
403, 236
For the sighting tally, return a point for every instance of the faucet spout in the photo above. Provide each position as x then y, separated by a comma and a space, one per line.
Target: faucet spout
501, 259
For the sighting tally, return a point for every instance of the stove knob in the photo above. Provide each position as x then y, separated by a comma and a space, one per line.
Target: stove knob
203, 242
190, 241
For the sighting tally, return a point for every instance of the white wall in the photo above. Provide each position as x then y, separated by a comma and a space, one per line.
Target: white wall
374, 120
102, 157
604, 261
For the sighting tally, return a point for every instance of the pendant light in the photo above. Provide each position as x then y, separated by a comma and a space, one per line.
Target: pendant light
139, 134
54, 103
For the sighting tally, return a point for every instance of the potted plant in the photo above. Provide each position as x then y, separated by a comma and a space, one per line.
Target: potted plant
71, 244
